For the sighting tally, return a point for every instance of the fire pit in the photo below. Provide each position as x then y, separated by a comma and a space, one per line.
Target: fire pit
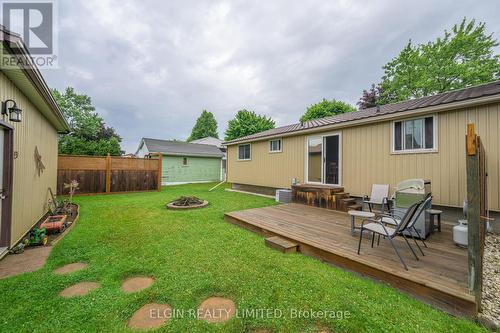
187, 203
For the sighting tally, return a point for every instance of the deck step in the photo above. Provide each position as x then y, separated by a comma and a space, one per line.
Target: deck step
281, 244
348, 200
355, 207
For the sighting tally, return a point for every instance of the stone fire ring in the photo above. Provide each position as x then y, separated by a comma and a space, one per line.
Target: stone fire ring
172, 206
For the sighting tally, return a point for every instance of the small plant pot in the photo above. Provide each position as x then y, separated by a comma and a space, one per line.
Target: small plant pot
53, 224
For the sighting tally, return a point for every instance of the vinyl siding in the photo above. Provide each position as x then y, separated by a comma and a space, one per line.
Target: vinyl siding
30, 191
367, 158
198, 169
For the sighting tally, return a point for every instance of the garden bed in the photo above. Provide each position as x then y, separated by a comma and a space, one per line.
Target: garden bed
72, 214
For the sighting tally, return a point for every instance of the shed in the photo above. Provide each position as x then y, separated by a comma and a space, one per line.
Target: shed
184, 162
28, 147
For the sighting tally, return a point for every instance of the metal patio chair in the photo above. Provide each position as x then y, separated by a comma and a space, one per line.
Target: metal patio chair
379, 196
394, 219
377, 226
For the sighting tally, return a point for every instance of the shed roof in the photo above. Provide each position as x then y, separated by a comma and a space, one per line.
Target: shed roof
209, 140
460, 95
169, 147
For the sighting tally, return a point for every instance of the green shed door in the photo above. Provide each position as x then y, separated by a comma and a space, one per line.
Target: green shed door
187, 169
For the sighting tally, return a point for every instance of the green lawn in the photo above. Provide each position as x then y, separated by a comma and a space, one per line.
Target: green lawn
194, 255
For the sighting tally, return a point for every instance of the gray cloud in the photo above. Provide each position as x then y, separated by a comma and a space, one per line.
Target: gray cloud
152, 66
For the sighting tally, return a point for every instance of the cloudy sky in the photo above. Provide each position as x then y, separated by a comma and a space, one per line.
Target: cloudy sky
152, 66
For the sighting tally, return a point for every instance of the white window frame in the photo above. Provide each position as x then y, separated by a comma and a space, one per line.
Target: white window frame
275, 151
306, 166
420, 150
238, 152
187, 161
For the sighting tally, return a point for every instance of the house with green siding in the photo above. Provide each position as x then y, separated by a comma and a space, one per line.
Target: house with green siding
184, 162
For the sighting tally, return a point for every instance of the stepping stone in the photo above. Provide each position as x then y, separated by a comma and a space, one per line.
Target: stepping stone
79, 289
70, 268
151, 315
138, 283
216, 309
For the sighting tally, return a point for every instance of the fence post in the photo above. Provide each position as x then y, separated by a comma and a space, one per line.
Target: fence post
160, 161
108, 173
474, 213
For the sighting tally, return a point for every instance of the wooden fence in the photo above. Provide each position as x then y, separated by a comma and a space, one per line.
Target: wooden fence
108, 174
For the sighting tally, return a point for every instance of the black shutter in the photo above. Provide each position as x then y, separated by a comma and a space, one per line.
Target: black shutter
397, 135
429, 132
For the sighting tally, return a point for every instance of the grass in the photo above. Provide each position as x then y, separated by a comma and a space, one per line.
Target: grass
194, 255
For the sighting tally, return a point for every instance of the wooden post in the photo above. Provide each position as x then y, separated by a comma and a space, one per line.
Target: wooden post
474, 213
108, 174
471, 139
160, 161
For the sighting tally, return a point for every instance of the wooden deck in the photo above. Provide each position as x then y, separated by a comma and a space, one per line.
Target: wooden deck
439, 278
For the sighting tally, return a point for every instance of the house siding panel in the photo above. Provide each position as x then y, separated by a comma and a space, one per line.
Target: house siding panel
367, 158
30, 191
198, 169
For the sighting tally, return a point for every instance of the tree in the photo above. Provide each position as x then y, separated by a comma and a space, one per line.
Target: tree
463, 57
88, 134
326, 108
246, 123
370, 98
206, 125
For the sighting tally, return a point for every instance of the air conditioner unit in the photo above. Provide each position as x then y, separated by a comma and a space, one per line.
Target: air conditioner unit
283, 196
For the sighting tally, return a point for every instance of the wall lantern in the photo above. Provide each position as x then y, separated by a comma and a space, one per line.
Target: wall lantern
15, 113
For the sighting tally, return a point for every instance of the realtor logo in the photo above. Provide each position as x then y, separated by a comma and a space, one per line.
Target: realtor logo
34, 21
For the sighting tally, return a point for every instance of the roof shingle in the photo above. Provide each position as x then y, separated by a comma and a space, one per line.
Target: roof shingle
181, 148
492, 88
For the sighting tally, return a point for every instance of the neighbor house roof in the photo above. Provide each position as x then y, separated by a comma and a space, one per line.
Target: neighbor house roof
455, 98
29, 79
209, 140
168, 147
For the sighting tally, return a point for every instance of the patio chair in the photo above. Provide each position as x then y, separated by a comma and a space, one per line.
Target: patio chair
377, 226
394, 219
379, 196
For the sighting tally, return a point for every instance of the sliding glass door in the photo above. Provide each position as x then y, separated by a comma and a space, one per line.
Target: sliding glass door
332, 160
314, 160
323, 159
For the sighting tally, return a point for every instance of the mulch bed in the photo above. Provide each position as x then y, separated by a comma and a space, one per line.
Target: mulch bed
72, 216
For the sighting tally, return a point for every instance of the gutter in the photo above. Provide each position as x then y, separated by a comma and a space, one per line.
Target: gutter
377, 119
187, 154
33, 74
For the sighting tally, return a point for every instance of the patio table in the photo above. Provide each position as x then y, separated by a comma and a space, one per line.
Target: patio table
360, 214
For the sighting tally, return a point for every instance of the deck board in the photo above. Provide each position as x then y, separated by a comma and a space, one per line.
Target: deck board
440, 277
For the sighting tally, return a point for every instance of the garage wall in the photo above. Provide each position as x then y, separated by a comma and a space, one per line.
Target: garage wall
30, 192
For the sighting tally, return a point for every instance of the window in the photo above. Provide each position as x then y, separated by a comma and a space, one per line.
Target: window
244, 152
414, 135
184, 161
275, 146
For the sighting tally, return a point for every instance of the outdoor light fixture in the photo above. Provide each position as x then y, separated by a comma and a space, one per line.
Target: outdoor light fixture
14, 112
